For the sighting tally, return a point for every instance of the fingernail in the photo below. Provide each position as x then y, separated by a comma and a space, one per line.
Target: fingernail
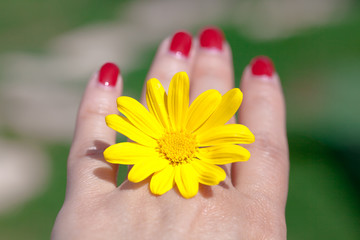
181, 44
262, 65
108, 74
212, 38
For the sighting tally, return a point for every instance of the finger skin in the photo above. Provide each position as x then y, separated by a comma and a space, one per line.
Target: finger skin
263, 112
166, 64
212, 69
87, 169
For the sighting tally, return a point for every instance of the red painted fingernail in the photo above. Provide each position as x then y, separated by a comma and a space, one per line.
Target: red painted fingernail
262, 65
108, 74
181, 44
212, 38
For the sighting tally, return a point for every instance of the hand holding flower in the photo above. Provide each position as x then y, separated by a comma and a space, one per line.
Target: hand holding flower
177, 144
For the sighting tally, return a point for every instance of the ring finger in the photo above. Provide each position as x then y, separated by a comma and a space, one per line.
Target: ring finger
213, 67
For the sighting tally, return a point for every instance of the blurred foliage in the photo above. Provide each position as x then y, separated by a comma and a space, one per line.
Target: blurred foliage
36, 218
320, 72
38, 21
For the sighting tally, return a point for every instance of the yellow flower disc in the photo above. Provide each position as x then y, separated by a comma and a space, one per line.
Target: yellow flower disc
177, 147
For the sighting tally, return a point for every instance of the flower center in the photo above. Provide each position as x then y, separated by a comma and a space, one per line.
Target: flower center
177, 147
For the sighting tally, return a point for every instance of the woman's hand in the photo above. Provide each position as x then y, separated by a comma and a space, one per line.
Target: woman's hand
249, 204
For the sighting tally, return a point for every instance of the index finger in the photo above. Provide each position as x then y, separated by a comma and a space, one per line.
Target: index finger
87, 170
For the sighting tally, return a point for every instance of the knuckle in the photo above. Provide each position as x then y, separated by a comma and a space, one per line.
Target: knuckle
98, 107
271, 146
265, 220
215, 67
274, 157
268, 97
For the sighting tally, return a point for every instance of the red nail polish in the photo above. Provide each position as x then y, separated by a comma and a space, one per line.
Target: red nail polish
181, 44
108, 74
211, 38
262, 65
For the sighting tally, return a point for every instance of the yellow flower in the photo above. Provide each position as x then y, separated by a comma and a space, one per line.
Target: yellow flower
176, 144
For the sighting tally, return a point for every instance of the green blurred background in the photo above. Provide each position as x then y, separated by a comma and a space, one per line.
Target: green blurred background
48, 50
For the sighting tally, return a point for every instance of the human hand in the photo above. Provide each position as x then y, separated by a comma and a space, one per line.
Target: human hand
249, 204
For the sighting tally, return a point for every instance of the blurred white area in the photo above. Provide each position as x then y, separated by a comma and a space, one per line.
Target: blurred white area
24, 172
266, 20
37, 93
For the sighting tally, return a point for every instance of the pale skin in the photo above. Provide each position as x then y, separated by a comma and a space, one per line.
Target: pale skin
249, 204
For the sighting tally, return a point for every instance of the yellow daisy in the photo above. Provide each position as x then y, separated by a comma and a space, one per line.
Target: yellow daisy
176, 144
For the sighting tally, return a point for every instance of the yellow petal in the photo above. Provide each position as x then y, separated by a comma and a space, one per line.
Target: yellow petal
125, 127
145, 168
209, 174
156, 99
228, 106
226, 134
128, 153
202, 108
224, 154
186, 180
178, 100
162, 181
139, 116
